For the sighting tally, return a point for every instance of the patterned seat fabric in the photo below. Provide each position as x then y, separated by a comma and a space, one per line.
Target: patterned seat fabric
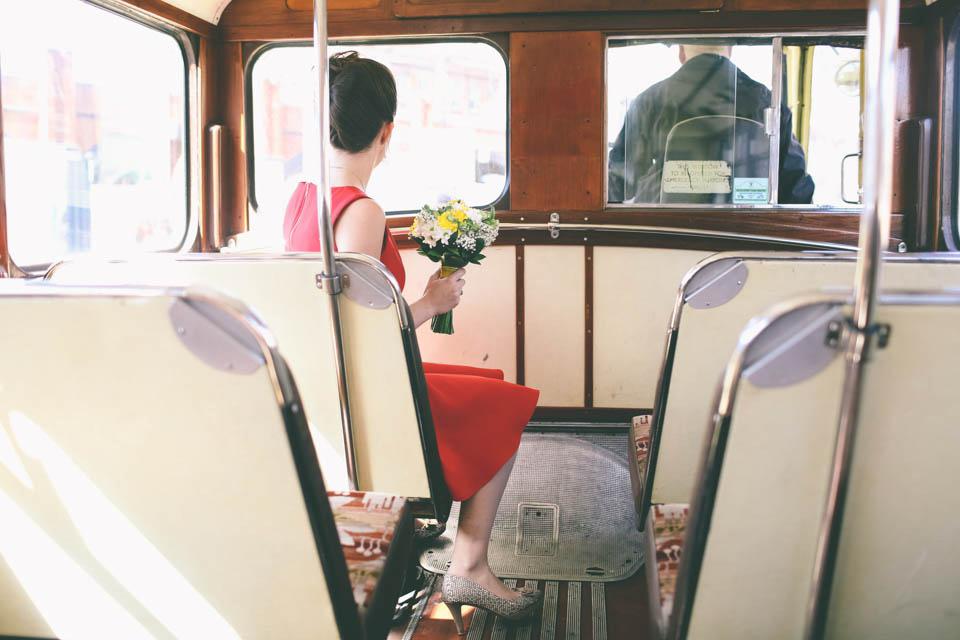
366, 523
640, 443
669, 528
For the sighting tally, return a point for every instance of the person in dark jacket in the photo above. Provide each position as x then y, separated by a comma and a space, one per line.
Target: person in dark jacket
708, 83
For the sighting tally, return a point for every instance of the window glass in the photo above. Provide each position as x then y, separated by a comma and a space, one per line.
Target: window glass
449, 141
690, 129
689, 125
835, 124
94, 132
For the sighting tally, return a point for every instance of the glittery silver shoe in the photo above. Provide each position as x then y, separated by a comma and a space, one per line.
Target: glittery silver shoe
457, 591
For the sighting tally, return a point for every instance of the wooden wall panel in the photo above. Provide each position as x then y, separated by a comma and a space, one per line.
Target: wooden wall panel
556, 137
333, 5
431, 8
806, 5
485, 321
911, 83
286, 19
173, 15
813, 226
230, 113
910, 98
209, 113
272, 20
554, 324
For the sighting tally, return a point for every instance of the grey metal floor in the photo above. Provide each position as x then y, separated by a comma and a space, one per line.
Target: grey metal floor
567, 513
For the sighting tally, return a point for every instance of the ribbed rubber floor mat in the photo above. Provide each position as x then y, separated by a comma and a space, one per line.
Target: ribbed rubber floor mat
567, 514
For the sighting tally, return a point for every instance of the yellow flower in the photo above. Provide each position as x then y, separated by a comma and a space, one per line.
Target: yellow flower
446, 221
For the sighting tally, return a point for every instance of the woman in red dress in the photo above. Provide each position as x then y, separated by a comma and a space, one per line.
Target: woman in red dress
477, 415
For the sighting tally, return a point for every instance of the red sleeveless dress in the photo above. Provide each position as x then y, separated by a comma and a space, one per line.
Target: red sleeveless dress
477, 415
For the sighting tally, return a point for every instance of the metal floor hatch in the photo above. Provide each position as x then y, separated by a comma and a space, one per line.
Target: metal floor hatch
567, 514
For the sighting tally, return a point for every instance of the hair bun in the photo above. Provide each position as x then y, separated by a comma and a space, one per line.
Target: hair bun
339, 61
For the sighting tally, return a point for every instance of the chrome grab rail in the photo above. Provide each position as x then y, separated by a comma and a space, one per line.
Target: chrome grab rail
882, 30
329, 279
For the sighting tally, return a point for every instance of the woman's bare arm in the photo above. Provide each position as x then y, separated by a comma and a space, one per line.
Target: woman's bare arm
359, 229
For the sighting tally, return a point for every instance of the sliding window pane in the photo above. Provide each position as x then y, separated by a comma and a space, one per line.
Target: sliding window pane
94, 132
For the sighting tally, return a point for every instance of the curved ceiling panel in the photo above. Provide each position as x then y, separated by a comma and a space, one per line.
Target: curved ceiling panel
209, 10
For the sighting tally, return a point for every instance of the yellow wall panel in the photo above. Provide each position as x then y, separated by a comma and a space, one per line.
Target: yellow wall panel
554, 324
484, 323
634, 290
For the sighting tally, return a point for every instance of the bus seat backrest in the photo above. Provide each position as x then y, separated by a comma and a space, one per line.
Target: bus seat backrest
898, 560
283, 290
155, 476
707, 335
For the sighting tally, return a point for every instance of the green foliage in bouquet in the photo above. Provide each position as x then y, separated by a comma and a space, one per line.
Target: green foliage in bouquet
454, 235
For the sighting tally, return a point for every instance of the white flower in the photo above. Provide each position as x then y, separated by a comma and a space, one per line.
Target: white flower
474, 228
467, 242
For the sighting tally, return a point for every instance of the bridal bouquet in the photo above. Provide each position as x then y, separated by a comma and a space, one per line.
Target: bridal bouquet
453, 234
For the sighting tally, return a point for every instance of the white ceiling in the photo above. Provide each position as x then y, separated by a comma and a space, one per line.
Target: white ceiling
209, 10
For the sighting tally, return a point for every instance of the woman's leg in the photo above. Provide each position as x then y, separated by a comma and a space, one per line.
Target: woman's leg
473, 534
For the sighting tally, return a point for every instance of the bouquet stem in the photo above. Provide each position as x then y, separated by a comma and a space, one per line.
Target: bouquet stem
443, 323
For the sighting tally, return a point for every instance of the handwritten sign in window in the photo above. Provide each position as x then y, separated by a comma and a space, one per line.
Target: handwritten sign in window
696, 176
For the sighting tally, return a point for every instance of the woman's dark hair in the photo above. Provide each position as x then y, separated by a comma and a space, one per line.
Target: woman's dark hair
363, 98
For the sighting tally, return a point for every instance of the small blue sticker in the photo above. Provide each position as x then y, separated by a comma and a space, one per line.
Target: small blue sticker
751, 190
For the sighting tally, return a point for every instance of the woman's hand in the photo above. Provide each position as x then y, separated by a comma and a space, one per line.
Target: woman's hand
439, 296
444, 293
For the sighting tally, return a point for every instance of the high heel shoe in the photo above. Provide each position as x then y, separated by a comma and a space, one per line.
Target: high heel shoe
457, 591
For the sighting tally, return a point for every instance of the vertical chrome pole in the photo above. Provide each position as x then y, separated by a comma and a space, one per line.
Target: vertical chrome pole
773, 122
882, 29
323, 107
330, 276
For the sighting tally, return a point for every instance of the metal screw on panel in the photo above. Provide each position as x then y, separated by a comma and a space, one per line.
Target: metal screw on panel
834, 330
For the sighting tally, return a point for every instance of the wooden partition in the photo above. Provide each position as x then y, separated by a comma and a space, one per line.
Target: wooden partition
586, 326
557, 99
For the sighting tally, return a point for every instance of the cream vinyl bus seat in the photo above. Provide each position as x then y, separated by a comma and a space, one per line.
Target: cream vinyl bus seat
158, 479
715, 299
392, 428
761, 489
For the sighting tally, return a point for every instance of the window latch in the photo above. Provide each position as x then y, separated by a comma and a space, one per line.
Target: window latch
553, 226
769, 121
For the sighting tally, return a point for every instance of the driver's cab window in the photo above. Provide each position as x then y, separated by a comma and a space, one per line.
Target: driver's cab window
693, 122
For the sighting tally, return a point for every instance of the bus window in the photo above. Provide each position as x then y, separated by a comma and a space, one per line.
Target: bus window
94, 132
834, 130
687, 123
691, 122
951, 141
450, 139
